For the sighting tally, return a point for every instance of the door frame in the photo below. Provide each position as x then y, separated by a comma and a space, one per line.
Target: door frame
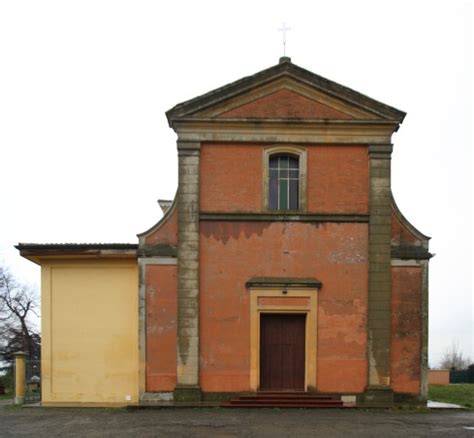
284, 301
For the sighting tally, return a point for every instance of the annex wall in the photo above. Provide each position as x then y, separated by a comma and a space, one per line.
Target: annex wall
161, 317
90, 332
405, 347
438, 377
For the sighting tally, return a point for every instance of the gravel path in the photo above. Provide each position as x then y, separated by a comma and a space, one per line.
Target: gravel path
206, 422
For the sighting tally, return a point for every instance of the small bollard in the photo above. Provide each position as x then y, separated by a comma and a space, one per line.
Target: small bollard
20, 377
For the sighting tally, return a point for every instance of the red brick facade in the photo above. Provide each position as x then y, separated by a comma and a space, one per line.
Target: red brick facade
338, 179
406, 329
233, 249
338, 252
161, 328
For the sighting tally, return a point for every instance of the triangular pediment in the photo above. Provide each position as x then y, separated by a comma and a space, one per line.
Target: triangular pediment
284, 91
284, 104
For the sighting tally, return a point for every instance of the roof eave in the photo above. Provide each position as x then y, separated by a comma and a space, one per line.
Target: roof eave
37, 252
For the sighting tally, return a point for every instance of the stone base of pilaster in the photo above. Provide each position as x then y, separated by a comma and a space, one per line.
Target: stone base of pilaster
376, 396
187, 393
402, 399
152, 397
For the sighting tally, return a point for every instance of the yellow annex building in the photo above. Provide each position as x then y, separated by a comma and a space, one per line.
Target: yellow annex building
89, 325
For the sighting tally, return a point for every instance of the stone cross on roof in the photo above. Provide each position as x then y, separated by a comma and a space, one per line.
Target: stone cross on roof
283, 29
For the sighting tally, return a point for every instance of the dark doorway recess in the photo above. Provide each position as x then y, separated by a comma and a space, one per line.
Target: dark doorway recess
282, 352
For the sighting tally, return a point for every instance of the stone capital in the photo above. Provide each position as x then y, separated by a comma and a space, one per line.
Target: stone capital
380, 151
188, 145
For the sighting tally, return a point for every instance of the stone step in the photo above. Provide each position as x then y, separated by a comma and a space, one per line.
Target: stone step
283, 405
286, 397
284, 400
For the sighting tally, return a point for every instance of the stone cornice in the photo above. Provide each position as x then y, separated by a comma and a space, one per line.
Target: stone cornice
245, 121
283, 217
410, 253
160, 250
286, 131
283, 282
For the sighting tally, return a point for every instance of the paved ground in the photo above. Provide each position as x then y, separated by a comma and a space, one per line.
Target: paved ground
5, 402
442, 405
223, 423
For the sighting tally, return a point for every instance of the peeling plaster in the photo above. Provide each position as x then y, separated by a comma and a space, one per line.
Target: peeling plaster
224, 231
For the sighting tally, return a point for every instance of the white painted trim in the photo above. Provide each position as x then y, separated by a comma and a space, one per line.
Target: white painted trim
400, 262
158, 261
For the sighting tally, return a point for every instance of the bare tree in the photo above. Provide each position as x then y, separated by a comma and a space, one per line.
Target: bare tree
18, 304
453, 358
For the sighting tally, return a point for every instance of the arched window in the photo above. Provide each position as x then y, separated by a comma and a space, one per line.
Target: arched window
284, 178
284, 182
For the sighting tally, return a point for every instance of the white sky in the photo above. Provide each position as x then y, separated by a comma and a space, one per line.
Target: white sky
85, 149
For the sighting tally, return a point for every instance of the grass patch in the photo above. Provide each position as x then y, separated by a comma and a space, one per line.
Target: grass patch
6, 396
11, 407
458, 393
412, 409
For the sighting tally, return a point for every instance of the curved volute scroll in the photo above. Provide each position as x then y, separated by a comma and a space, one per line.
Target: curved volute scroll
161, 238
407, 240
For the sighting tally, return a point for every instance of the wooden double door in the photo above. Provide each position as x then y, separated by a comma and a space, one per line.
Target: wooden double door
282, 352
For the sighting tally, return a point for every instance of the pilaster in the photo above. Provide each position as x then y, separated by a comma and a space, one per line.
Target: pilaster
187, 386
379, 299
424, 331
20, 377
141, 328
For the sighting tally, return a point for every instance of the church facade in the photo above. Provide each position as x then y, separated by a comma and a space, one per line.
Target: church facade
282, 264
